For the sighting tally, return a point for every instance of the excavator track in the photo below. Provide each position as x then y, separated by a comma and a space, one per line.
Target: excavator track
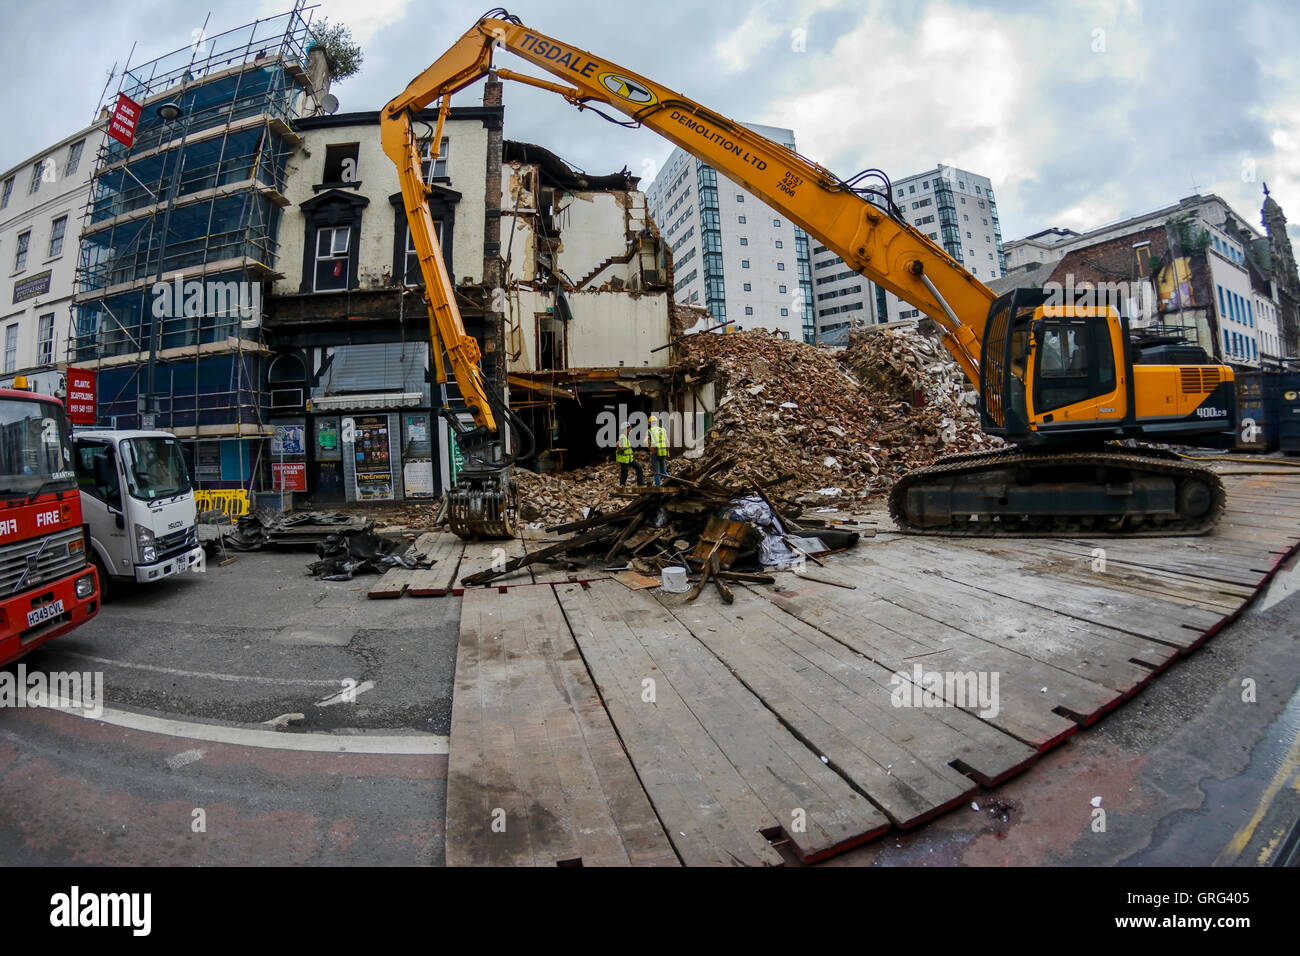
1116, 490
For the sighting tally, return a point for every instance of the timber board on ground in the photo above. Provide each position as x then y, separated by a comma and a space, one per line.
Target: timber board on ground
789, 698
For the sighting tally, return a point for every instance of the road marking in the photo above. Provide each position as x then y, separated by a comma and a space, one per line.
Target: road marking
347, 695
1289, 766
233, 678
184, 757
412, 744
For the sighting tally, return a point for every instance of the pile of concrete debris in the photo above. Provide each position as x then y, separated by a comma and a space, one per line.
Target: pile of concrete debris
846, 424
552, 498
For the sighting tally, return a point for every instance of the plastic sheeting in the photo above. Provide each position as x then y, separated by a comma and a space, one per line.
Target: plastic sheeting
772, 550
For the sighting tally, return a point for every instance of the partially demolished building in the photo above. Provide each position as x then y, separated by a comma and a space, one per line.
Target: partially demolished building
560, 276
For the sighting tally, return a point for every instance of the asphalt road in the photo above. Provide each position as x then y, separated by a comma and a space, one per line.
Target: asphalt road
186, 764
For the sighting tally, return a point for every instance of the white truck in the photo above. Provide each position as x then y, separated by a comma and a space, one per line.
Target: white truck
137, 499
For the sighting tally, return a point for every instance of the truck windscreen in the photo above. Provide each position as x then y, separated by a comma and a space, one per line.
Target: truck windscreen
154, 468
35, 450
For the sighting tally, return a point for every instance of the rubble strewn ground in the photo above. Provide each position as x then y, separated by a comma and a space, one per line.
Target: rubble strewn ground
853, 420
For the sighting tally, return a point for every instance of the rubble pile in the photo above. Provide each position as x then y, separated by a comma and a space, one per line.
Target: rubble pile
697, 524
849, 423
546, 499
901, 365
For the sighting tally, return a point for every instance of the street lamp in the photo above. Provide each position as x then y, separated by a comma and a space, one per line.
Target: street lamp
168, 112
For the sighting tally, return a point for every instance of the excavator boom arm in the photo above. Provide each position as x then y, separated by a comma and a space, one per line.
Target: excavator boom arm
887, 251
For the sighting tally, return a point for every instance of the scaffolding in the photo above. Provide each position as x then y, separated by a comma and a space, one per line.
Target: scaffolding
180, 229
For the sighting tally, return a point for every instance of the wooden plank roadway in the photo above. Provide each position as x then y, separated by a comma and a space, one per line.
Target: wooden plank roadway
483, 555
784, 703
536, 774
443, 549
912, 762
720, 767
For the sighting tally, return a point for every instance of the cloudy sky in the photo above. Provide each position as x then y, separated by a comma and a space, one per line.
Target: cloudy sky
1080, 112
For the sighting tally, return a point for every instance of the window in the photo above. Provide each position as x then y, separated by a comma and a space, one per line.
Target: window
440, 167
744, 263
38, 171
785, 311
740, 197
11, 347
744, 240
411, 260
45, 340
57, 228
780, 267
741, 220
781, 288
8, 191
749, 310
20, 254
341, 162
963, 200
97, 471
911, 189
332, 257
968, 235
965, 218
74, 157
777, 223
780, 244
747, 287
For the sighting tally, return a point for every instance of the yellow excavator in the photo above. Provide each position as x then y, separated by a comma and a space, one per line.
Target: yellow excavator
1063, 383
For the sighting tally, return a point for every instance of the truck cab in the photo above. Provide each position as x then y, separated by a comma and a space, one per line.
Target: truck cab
47, 588
138, 501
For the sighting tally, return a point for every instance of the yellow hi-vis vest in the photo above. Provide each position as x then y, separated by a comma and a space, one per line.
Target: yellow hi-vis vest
659, 441
624, 454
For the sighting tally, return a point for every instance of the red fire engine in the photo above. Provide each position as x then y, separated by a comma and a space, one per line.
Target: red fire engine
47, 586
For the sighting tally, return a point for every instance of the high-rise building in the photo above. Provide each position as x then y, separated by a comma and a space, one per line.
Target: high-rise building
732, 253
953, 207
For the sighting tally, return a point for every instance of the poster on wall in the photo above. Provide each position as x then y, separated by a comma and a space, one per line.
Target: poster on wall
288, 440
374, 463
327, 439
290, 476
208, 461
417, 476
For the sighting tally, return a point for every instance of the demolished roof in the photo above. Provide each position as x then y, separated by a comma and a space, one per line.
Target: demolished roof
556, 172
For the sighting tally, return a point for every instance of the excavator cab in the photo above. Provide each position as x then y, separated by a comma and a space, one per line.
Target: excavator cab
1053, 371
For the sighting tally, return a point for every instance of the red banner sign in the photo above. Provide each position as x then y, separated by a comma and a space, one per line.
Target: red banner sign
81, 396
125, 115
290, 476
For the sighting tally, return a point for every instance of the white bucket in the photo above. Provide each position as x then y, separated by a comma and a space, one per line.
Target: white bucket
674, 580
